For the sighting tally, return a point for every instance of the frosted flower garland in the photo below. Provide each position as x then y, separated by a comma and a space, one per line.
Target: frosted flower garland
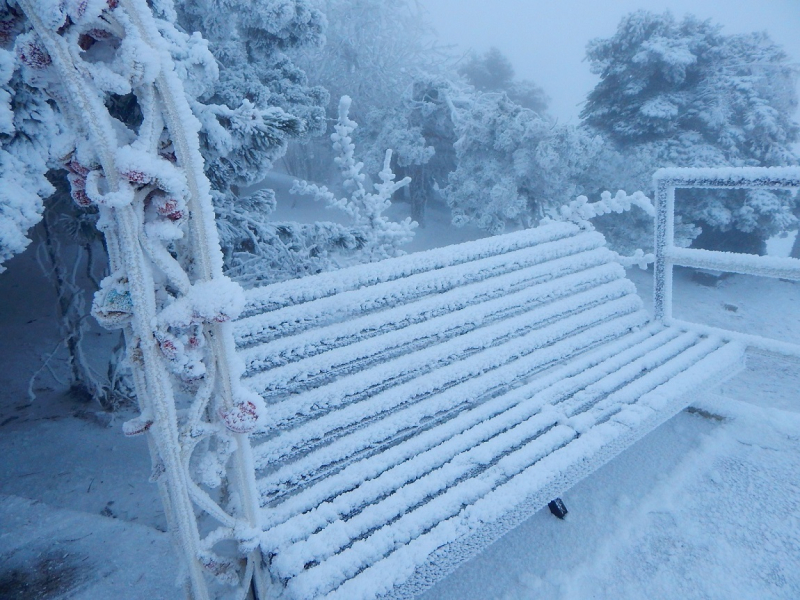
166, 289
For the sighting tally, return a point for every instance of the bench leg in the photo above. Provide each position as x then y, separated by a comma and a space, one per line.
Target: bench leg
558, 508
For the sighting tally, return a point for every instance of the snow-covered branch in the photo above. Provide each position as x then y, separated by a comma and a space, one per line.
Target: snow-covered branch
581, 211
381, 237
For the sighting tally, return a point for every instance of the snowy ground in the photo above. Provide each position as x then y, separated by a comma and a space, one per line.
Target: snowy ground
707, 506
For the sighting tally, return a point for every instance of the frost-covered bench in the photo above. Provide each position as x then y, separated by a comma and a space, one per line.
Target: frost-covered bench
420, 407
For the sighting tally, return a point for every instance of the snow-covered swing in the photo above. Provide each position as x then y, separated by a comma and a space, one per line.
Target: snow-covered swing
392, 418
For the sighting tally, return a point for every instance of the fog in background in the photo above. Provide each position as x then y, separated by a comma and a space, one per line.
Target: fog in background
546, 41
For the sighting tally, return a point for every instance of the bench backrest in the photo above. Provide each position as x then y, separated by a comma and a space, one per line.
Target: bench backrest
353, 361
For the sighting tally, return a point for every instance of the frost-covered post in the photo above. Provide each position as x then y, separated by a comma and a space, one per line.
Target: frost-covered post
664, 233
166, 289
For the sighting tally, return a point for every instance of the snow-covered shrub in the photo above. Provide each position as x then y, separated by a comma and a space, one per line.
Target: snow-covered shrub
378, 236
28, 131
512, 164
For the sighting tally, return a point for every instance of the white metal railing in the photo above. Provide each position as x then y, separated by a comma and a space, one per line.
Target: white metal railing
666, 181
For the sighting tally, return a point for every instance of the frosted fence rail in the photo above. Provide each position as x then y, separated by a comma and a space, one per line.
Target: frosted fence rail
666, 181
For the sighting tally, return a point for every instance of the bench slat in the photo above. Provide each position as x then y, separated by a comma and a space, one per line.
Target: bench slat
549, 300
592, 265
313, 464
316, 580
293, 520
471, 365
294, 319
421, 406
278, 295
293, 377
480, 446
480, 524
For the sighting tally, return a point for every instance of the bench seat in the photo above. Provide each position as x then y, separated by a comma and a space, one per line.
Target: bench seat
420, 407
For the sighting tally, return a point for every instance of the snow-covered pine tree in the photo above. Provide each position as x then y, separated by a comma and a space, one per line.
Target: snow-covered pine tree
260, 101
512, 164
685, 94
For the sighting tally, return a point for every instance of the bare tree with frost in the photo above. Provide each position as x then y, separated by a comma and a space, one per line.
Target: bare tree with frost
376, 236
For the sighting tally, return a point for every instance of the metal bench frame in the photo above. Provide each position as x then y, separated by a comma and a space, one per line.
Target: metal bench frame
666, 181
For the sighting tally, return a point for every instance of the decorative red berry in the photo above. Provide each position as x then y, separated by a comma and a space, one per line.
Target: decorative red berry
85, 41
81, 198
168, 348
33, 55
77, 168
135, 176
99, 34
240, 418
166, 206
170, 208
77, 185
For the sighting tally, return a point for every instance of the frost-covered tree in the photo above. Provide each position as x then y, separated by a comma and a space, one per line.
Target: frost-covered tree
251, 41
259, 102
420, 130
512, 164
493, 72
685, 94
28, 133
375, 51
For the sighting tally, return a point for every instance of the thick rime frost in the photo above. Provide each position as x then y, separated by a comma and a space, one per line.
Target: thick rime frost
407, 412
512, 165
29, 132
420, 406
681, 93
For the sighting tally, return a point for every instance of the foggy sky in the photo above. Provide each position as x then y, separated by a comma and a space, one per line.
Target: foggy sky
546, 40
